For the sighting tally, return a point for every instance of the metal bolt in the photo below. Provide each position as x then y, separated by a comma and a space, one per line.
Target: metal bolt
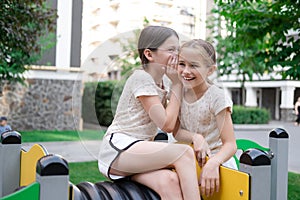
241, 193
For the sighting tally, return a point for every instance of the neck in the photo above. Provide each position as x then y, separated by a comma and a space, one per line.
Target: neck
156, 74
198, 91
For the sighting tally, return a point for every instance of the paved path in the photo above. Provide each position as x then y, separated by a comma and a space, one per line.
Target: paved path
88, 150
72, 151
80, 151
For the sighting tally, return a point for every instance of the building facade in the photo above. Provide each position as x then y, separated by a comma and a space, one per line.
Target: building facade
103, 20
276, 95
106, 21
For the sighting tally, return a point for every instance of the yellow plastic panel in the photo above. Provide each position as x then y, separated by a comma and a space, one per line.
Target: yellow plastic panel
234, 185
28, 164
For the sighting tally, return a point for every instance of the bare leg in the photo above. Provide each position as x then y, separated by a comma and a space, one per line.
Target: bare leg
149, 156
166, 183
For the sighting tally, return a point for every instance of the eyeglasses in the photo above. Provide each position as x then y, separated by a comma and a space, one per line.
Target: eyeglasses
170, 50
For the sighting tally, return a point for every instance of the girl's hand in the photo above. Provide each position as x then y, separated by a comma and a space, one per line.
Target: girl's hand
201, 149
171, 69
210, 178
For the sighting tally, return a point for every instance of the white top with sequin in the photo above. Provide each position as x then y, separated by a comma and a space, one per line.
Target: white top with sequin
200, 116
131, 118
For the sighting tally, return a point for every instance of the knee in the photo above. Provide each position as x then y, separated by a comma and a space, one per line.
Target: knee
188, 154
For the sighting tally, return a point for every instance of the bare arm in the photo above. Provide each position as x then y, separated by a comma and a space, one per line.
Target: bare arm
225, 127
183, 135
165, 119
200, 145
296, 108
210, 173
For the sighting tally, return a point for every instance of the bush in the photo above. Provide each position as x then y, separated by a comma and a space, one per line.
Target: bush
88, 103
250, 115
100, 101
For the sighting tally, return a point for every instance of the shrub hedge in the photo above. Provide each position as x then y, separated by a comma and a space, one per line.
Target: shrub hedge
250, 115
88, 102
100, 101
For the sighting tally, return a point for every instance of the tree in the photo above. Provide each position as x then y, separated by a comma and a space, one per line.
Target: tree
262, 36
129, 59
24, 28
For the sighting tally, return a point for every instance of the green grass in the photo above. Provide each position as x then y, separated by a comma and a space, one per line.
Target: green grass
294, 186
85, 171
88, 171
53, 136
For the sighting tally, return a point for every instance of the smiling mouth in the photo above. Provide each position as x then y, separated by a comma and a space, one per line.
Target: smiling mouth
188, 78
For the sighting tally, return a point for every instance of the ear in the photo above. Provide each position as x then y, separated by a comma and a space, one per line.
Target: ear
211, 70
148, 54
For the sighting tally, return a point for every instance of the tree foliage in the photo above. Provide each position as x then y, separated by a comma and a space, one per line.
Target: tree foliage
129, 59
262, 36
23, 28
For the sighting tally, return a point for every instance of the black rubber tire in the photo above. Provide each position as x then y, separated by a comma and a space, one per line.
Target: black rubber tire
77, 194
132, 190
119, 190
90, 191
114, 191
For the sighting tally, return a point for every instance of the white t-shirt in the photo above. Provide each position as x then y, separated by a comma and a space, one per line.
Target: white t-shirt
200, 116
131, 118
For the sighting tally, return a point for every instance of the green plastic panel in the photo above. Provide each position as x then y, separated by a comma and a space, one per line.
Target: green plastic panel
244, 144
31, 192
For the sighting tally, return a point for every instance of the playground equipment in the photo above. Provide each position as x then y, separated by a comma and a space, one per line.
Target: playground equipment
37, 175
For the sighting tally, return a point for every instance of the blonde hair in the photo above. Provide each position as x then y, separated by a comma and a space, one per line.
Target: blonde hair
205, 50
